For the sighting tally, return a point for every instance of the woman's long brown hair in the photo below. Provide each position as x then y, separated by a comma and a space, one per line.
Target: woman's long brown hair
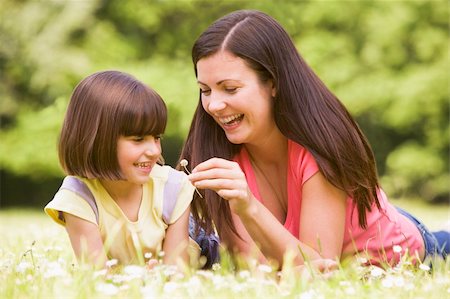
305, 110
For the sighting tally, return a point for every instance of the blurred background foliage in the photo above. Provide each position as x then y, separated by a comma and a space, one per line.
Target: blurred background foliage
386, 60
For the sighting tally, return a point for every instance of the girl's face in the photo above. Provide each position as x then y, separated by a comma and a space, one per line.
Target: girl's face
233, 95
137, 155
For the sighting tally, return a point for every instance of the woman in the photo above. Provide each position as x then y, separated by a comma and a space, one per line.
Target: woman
281, 162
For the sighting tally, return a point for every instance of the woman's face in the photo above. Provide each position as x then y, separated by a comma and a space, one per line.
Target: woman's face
233, 95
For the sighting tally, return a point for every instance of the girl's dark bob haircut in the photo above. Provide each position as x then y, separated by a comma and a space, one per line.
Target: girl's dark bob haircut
103, 107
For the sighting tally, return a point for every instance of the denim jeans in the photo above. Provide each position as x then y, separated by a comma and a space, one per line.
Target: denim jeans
436, 244
209, 244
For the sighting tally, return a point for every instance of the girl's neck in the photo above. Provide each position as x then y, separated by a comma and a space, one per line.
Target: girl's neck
127, 196
120, 189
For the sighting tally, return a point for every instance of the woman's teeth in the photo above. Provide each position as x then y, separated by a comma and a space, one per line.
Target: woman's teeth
230, 119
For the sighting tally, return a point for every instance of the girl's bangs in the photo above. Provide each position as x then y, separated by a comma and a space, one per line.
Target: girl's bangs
144, 115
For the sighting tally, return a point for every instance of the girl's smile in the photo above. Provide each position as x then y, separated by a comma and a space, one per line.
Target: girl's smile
137, 155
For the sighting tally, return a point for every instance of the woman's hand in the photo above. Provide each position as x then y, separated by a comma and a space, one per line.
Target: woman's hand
227, 179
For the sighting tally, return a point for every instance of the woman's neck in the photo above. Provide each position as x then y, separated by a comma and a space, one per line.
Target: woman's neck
269, 150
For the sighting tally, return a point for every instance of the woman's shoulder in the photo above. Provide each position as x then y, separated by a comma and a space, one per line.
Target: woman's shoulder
301, 161
299, 153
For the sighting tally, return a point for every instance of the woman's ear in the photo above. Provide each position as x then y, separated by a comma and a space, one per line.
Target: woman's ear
274, 90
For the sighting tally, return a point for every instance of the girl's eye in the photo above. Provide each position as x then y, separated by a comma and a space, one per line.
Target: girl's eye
138, 138
158, 137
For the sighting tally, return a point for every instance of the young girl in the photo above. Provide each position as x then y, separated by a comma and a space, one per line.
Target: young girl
117, 201
284, 165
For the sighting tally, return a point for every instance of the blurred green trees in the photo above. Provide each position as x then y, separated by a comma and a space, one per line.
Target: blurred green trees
387, 61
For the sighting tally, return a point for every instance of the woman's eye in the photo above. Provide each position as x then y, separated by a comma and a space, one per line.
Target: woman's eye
205, 92
231, 89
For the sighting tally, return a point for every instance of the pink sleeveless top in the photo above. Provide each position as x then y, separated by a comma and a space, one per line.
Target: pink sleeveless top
385, 228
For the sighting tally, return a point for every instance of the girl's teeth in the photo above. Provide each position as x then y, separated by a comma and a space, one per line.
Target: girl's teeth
142, 165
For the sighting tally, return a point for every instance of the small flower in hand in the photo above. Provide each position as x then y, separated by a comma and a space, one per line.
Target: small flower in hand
184, 163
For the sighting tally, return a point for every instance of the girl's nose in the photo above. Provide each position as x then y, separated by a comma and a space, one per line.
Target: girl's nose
153, 148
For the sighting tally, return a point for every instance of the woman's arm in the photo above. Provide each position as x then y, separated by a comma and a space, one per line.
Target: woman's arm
322, 218
176, 240
228, 180
86, 240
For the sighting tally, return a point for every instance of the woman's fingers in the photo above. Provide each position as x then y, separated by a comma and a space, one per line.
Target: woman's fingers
226, 178
215, 163
214, 173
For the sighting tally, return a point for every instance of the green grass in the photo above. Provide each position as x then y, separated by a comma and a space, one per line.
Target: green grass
36, 261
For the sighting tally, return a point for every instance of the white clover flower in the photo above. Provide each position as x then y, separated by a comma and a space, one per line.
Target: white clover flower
170, 270
112, 262
107, 289
244, 274
100, 273
310, 294
237, 288
206, 274
399, 281
118, 279
350, 290
194, 283
361, 260
265, 268
216, 267
54, 269
397, 248
148, 255
170, 286
376, 271
23, 266
124, 287
387, 282
149, 291
184, 163
219, 282
134, 270
424, 267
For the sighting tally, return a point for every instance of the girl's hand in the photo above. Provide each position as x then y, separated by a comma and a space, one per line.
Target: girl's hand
152, 263
227, 180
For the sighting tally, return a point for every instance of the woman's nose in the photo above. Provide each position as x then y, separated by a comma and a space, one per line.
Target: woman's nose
215, 103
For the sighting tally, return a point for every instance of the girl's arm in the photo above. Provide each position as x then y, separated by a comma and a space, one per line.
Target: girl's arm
176, 240
324, 204
86, 240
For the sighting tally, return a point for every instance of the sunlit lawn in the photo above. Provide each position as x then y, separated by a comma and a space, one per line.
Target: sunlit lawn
36, 261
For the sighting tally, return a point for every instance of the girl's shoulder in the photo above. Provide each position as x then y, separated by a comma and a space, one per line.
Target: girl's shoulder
165, 172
